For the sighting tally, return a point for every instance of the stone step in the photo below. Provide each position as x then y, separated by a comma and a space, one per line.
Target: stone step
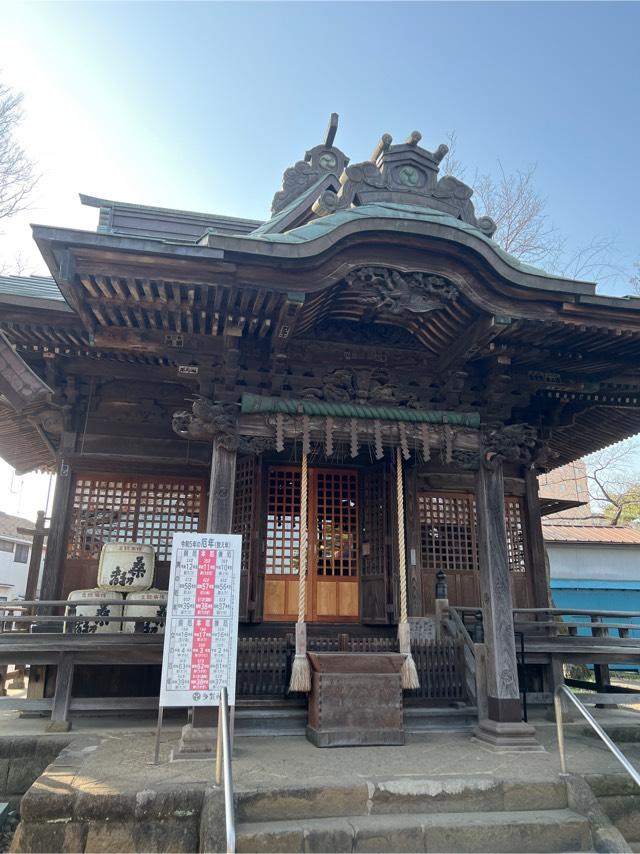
624, 812
440, 719
275, 720
530, 830
428, 795
270, 722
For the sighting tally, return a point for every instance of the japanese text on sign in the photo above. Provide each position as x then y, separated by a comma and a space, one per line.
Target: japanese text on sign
201, 635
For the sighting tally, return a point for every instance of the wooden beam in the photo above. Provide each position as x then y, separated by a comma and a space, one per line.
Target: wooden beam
481, 333
155, 342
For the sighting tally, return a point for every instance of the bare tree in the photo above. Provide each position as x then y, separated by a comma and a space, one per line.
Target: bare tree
17, 171
524, 228
614, 484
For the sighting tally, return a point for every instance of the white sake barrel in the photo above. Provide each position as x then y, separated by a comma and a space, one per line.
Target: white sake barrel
100, 618
126, 567
152, 616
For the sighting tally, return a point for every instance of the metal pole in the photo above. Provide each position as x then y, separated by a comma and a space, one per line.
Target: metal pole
219, 744
557, 702
156, 754
619, 755
228, 779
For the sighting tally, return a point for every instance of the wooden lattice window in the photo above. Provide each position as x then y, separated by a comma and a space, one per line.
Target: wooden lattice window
111, 509
283, 521
448, 530
337, 523
243, 495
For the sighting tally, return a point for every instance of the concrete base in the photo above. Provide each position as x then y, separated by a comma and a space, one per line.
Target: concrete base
508, 737
58, 726
354, 738
195, 743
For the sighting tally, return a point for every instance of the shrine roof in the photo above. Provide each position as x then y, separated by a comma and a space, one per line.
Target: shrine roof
137, 220
389, 210
33, 287
610, 535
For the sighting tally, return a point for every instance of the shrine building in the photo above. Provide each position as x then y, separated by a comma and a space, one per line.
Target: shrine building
365, 385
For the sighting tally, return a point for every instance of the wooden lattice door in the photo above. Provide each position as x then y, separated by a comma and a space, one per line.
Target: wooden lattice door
378, 598
332, 586
333, 545
448, 531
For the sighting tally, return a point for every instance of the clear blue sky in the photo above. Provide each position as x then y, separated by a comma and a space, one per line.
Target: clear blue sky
203, 105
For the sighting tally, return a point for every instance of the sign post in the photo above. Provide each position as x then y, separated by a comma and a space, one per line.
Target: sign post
201, 630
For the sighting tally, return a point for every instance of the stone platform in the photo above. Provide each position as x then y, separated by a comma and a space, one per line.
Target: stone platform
100, 794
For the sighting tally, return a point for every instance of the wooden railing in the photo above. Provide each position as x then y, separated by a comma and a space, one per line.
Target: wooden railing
264, 663
536, 619
473, 657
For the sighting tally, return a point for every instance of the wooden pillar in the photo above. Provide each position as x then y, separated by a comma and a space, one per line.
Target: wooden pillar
62, 697
221, 488
414, 562
52, 574
533, 520
35, 558
503, 726
503, 696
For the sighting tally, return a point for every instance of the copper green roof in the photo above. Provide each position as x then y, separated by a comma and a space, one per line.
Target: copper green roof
390, 210
36, 287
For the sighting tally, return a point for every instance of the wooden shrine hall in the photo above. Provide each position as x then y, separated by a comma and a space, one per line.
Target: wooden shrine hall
364, 386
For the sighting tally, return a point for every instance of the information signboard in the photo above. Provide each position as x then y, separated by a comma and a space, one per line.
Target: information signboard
201, 632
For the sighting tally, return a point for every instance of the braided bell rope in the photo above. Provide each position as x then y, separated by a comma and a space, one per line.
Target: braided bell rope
302, 574
401, 545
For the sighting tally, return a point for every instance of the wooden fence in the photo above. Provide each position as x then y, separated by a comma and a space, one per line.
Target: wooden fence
264, 664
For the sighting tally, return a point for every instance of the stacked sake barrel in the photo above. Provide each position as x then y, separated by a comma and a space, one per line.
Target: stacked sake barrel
125, 571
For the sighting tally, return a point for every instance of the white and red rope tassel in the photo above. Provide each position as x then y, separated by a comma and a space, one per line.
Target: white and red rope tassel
408, 674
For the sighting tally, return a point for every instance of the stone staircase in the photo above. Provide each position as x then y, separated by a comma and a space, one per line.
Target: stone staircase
619, 797
447, 814
286, 718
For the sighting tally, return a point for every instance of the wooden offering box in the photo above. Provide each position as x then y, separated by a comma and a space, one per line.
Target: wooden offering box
355, 700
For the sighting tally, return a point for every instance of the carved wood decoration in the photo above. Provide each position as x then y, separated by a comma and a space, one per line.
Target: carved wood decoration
390, 293
513, 443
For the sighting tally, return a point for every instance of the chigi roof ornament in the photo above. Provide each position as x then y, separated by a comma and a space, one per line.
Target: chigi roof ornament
404, 174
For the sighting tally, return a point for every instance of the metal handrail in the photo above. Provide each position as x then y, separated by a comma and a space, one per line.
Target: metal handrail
223, 769
619, 755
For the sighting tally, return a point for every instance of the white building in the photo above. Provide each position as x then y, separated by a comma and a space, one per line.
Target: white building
15, 551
